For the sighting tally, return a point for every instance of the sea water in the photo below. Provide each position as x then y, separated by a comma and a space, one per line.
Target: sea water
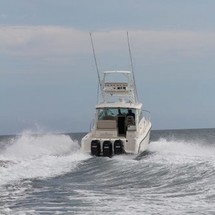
48, 174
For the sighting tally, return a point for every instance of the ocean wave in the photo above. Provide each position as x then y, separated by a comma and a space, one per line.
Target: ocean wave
38, 156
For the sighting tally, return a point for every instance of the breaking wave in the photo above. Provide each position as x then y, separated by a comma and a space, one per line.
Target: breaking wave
38, 156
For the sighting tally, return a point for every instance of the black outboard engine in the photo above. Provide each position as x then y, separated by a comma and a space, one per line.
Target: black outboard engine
95, 147
118, 147
107, 148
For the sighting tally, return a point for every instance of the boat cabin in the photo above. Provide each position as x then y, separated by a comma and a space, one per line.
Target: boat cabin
119, 119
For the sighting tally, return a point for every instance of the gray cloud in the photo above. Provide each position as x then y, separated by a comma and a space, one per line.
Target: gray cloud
62, 41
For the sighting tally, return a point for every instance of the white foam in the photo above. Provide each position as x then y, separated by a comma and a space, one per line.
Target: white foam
182, 151
39, 156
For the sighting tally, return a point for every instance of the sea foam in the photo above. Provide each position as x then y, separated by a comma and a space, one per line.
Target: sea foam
39, 156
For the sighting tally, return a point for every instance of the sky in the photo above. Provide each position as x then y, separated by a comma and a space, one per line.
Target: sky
48, 80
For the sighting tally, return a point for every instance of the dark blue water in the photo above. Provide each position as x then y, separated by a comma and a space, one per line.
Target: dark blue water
47, 174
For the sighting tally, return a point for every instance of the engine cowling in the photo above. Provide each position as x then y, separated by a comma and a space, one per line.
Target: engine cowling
107, 149
95, 148
118, 147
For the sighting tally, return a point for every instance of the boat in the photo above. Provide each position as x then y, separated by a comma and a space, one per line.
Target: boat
120, 125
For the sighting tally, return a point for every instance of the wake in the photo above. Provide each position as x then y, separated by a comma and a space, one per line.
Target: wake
38, 156
178, 151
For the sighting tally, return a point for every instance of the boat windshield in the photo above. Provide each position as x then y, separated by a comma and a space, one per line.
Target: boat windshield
113, 113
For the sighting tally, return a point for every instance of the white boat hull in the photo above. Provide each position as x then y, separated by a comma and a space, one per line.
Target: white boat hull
131, 144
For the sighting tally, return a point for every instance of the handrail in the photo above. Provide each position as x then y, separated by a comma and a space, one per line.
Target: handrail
92, 124
148, 115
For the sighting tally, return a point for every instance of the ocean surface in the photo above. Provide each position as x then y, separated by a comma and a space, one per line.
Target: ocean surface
47, 174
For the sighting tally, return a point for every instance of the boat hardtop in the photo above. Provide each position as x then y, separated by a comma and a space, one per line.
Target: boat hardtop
121, 91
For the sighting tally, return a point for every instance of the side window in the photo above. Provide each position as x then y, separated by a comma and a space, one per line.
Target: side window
101, 113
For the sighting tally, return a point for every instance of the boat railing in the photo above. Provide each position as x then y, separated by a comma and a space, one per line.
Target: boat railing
92, 124
146, 115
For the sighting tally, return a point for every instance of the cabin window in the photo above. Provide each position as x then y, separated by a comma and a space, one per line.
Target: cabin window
113, 113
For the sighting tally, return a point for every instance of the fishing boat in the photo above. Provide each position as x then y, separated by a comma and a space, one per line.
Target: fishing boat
120, 125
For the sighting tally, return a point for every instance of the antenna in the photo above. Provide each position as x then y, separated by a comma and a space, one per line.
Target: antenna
97, 70
132, 67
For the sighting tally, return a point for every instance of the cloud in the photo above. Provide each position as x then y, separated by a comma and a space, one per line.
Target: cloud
55, 41
41, 40
186, 44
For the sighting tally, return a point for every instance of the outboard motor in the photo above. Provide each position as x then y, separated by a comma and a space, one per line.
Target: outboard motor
107, 149
118, 147
95, 147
